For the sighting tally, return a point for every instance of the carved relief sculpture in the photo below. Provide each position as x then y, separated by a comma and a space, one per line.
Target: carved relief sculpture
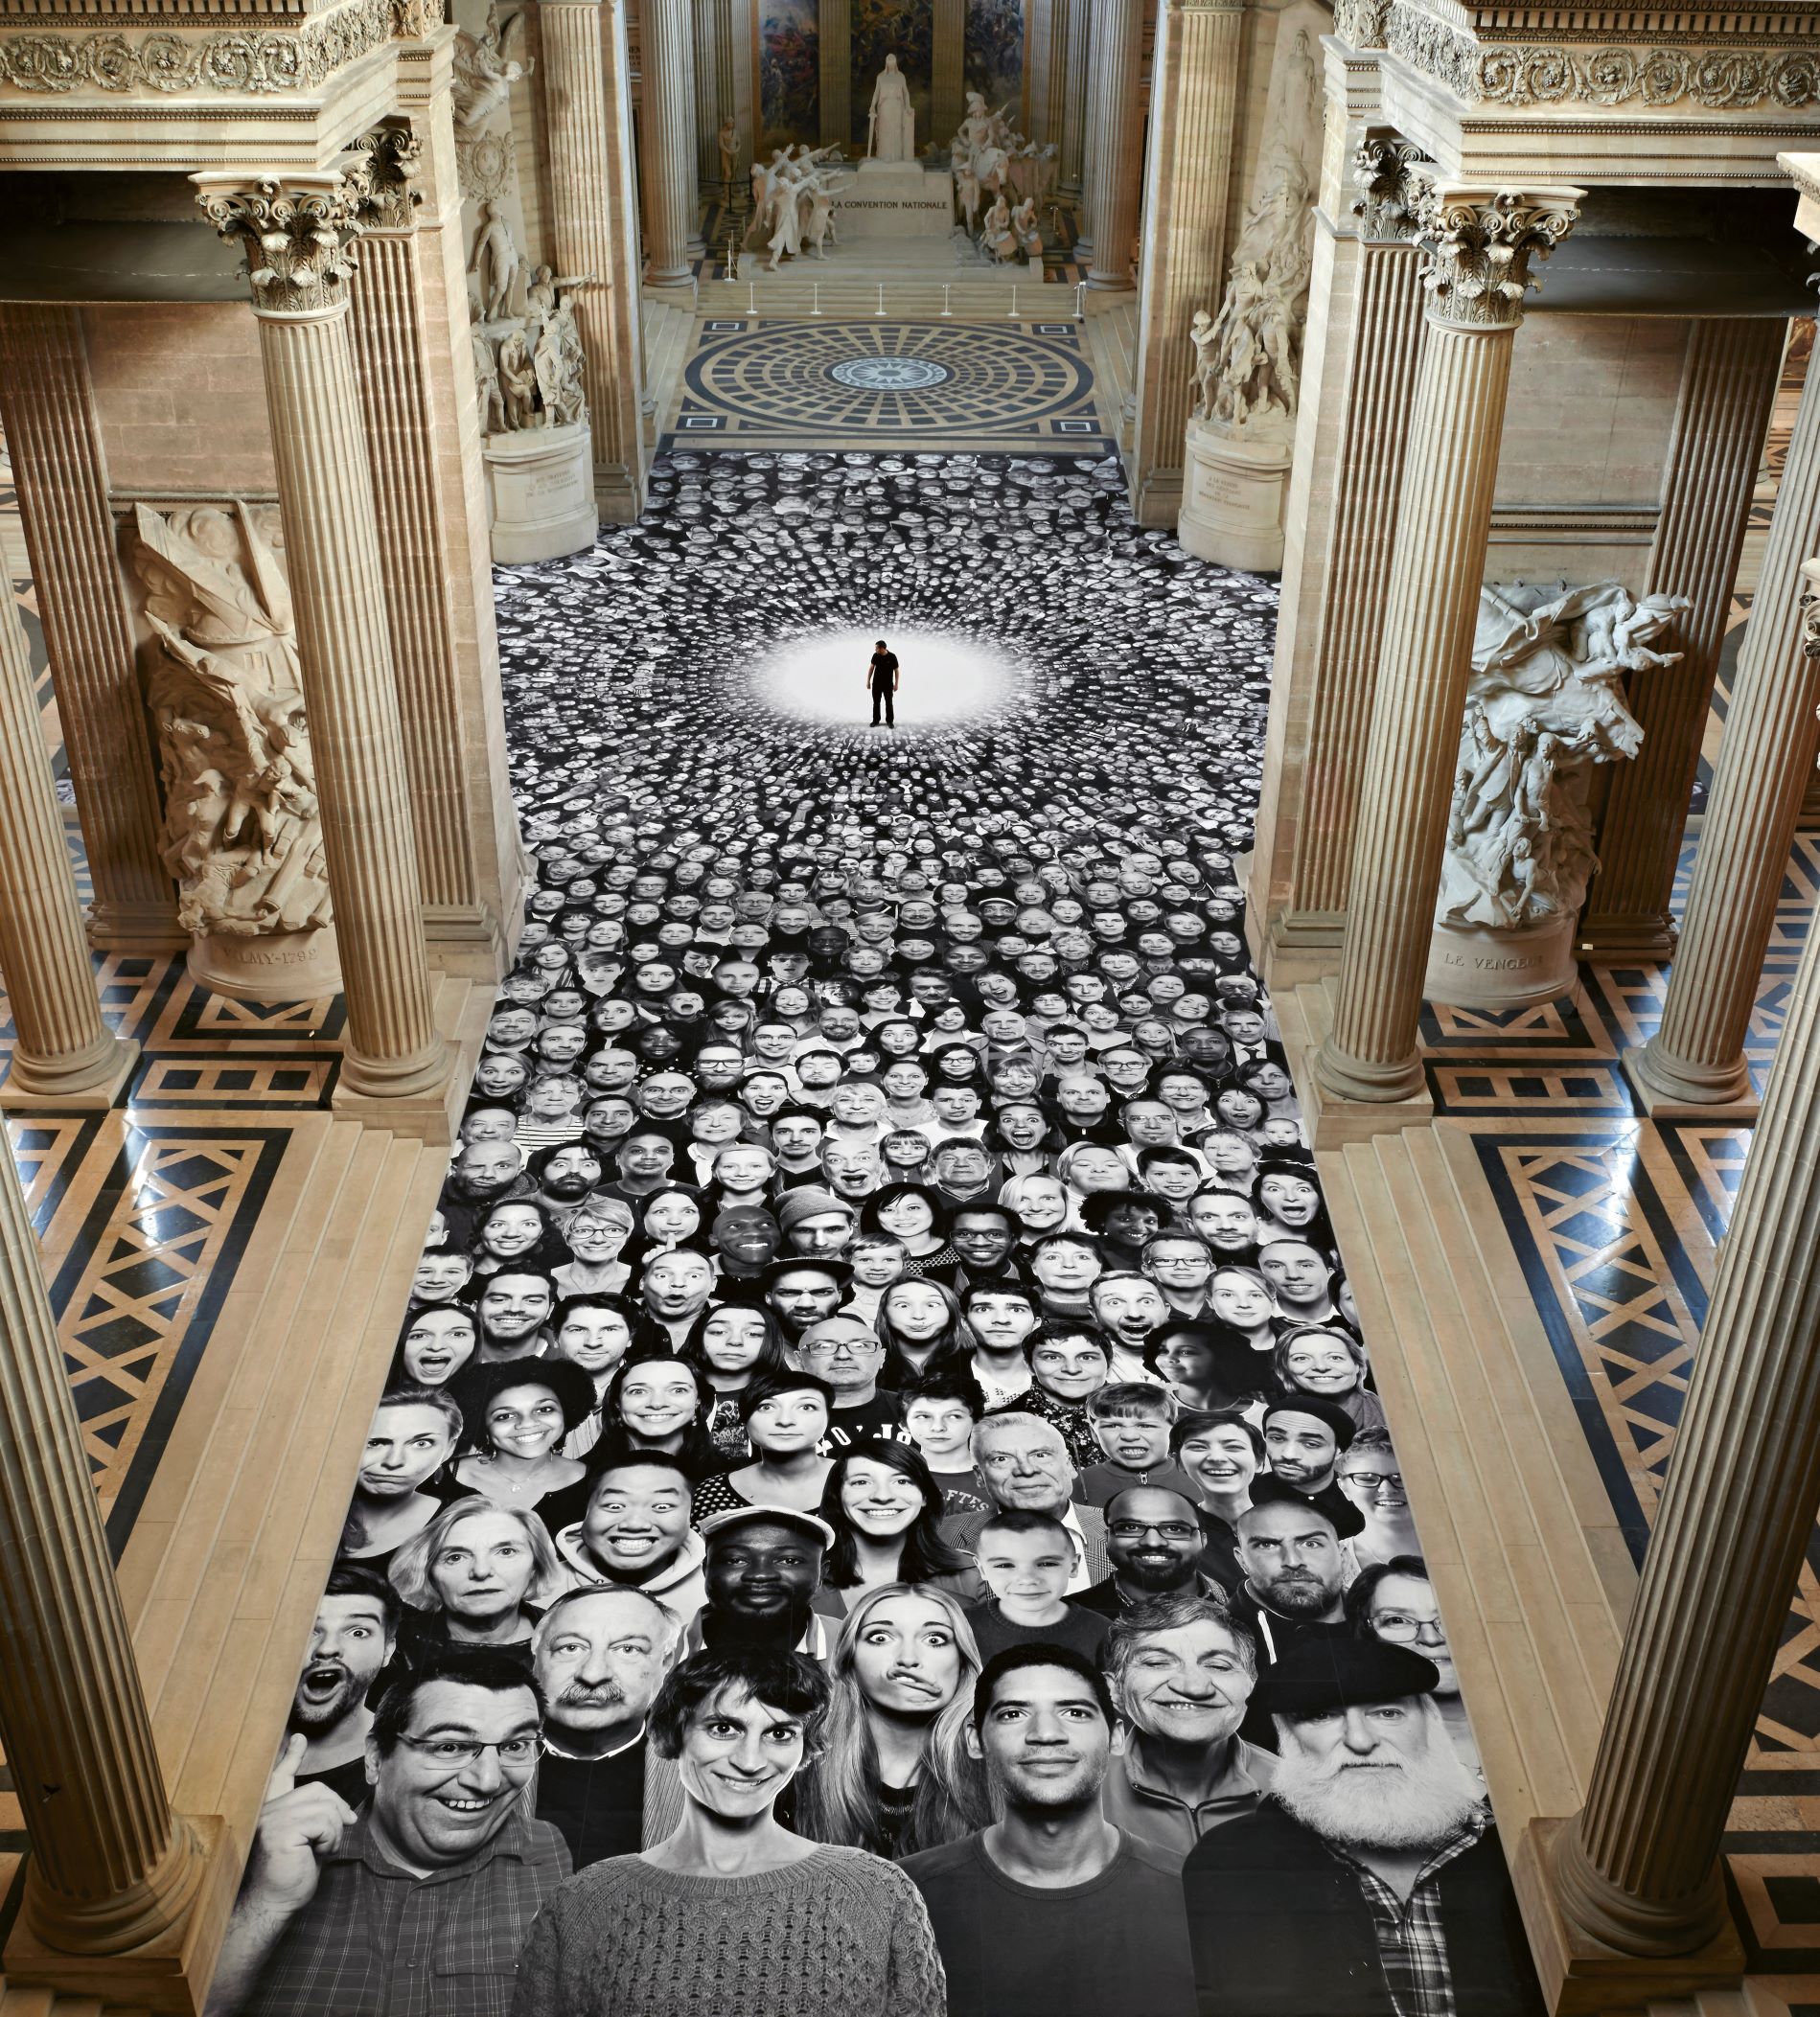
1545, 705
486, 68
1247, 357
241, 835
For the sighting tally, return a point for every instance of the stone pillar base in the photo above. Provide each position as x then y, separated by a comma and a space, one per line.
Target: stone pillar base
1330, 1121
427, 1110
681, 293
94, 1081
1734, 1100
1298, 945
540, 494
1159, 497
1234, 485
1481, 966
467, 940
121, 928
281, 966
169, 1975
1580, 1976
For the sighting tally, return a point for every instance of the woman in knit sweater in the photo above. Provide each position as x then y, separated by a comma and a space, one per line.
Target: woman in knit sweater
732, 1912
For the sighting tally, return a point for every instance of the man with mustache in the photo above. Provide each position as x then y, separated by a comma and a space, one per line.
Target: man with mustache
1374, 1833
350, 1642
599, 1658
1153, 1535
1182, 1673
1053, 1911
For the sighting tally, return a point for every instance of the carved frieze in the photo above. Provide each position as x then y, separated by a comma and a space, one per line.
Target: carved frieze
247, 62
1716, 77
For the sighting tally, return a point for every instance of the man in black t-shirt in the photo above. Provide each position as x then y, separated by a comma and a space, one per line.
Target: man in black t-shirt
881, 675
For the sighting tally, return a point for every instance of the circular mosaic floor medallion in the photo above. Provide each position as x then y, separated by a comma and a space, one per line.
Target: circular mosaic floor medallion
889, 374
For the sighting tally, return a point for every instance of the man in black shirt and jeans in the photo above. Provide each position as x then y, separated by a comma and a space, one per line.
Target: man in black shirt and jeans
881, 675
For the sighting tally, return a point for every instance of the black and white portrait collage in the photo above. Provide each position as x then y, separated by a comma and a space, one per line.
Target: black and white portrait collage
880, 1508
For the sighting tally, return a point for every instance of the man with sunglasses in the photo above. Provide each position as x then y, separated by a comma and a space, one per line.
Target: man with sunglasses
416, 1905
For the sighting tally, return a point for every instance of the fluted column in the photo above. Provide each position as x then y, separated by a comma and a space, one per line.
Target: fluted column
1479, 244
1728, 387
833, 28
1187, 181
297, 233
947, 85
1640, 1870
706, 58
46, 411
62, 1049
1697, 1057
112, 1870
409, 396
1365, 339
667, 157
594, 229
1073, 129
1113, 189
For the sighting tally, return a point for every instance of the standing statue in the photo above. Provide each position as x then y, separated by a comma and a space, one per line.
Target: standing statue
495, 264
1206, 364
727, 141
1024, 229
967, 196
242, 833
890, 127
487, 394
1545, 703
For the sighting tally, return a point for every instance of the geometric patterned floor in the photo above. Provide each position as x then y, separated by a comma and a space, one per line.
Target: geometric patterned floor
1014, 386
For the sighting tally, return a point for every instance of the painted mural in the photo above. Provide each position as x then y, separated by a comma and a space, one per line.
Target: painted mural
995, 52
880, 27
789, 58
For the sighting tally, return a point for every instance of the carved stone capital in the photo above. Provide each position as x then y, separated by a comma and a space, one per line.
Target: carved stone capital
1384, 172
1479, 242
385, 163
297, 232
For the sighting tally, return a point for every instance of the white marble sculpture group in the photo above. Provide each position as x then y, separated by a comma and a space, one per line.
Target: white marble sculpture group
527, 350
794, 195
242, 833
989, 158
1545, 705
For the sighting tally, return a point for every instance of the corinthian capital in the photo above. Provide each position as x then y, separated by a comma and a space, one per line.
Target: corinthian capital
1384, 173
1479, 242
297, 232
385, 164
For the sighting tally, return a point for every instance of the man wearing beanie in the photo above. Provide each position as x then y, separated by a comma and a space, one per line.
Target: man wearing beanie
1370, 1881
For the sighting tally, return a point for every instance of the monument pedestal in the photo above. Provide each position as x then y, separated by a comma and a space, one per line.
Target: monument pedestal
1234, 485
541, 493
274, 966
1482, 965
895, 199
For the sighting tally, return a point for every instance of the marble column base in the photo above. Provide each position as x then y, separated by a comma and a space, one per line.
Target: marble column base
1666, 1091
424, 1107
92, 1082
1626, 935
1330, 1120
540, 494
1581, 1976
169, 1973
1479, 965
281, 966
1234, 487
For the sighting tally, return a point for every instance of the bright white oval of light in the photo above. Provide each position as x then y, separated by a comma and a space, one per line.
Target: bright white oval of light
942, 676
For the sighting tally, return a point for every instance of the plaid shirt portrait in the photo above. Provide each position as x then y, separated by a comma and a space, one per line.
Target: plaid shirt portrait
376, 1941
1410, 1943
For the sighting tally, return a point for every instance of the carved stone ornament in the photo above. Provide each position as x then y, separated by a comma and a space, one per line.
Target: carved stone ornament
414, 19
243, 62
387, 162
297, 233
1810, 610
1479, 243
1720, 79
1383, 171
1361, 22
242, 832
